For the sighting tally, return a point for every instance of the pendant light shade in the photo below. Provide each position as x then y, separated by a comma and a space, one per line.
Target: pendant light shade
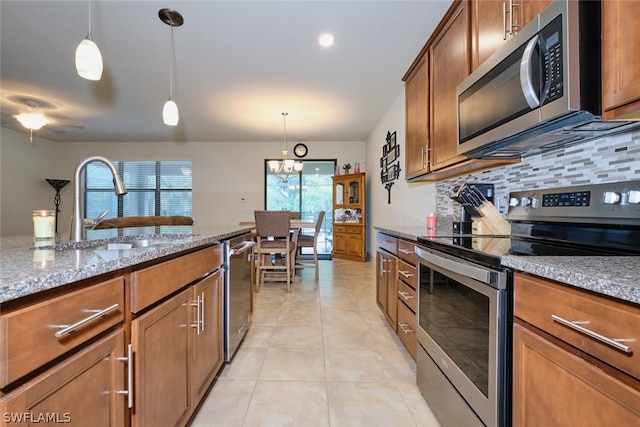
170, 114
88, 57
32, 121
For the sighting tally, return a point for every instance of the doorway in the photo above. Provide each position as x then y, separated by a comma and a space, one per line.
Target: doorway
308, 193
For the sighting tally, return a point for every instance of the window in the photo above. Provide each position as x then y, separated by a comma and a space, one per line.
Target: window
154, 188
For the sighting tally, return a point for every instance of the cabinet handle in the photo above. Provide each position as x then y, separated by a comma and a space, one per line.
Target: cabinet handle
405, 328
406, 274
405, 295
129, 391
202, 309
613, 342
504, 20
405, 251
70, 328
197, 323
511, 26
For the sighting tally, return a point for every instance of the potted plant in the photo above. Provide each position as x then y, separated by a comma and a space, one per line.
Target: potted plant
346, 167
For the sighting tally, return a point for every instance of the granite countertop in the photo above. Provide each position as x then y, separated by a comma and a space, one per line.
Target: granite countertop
614, 276
26, 269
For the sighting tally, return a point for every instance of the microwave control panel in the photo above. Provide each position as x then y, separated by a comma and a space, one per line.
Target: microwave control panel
552, 60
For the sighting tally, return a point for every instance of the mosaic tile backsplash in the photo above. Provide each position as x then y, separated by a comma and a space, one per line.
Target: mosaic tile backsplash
612, 159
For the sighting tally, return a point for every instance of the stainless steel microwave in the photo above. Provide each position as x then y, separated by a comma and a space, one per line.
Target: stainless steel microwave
540, 91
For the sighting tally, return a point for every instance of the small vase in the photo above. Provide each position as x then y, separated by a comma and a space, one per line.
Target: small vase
346, 171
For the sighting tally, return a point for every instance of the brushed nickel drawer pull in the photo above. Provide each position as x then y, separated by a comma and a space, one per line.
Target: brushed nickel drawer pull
202, 311
405, 295
196, 324
129, 391
405, 273
405, 328
66, 329
405, 251
610, 341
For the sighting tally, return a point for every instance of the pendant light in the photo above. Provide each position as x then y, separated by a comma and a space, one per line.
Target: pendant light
88, 57
287, 165
170, 114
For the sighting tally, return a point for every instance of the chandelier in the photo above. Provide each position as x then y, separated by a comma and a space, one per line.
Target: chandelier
287, 165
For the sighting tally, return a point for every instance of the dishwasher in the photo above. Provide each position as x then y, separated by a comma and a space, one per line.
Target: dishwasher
237, 291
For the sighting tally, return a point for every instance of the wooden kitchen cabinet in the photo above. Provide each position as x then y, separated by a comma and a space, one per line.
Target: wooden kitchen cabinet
563, 377
81, 391
621, 59
208, 344
162, 340
349, 217
407, 279
449, 65
386, 286
494, 22
417, 119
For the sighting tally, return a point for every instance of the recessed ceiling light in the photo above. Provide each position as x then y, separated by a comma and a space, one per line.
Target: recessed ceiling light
326, 40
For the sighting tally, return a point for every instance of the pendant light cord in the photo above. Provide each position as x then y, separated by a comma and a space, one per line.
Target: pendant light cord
173, 64
285, 131
89, 33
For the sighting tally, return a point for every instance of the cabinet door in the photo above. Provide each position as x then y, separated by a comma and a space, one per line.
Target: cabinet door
386, 283
449, 66
552, 387
621, 58
161, 341
381, 281
80, 391
417, 120
490, 21
208, 330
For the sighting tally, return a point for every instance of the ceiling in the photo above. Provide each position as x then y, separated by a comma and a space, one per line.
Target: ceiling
239, 65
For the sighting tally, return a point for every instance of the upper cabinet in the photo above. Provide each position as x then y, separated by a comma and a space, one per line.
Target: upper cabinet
417, 119
494, 22
449, 62
621, 59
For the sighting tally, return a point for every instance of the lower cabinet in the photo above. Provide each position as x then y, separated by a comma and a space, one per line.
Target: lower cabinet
565, 370
83, 390
386, 282
208, 345
161, 340
348, 242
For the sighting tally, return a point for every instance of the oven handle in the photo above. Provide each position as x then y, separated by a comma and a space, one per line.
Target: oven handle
478, 273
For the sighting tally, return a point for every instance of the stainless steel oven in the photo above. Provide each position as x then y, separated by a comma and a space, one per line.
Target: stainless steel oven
463, 330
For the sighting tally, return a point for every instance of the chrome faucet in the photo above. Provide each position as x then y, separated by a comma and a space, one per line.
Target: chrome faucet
77, 220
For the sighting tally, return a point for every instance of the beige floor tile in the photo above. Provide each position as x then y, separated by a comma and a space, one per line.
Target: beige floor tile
341, 337
297, 336
226, 405
245, 365
295, 364
371, 404
356, 365
288, 404
258, 336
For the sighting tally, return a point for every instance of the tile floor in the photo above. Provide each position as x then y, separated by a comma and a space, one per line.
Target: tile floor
322, 355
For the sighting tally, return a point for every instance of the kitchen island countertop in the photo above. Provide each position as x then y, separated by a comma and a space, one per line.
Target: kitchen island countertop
614, 276
26, 270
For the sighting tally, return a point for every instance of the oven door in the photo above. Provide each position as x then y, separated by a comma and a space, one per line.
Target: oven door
462, 327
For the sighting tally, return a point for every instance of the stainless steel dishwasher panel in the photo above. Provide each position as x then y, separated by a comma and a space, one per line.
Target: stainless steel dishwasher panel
237, 292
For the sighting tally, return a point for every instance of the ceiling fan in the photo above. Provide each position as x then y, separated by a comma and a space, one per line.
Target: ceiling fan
33, 118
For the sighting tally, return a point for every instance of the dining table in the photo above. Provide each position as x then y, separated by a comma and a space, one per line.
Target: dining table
294, 223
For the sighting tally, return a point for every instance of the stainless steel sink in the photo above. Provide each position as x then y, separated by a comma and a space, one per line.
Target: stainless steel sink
132, 244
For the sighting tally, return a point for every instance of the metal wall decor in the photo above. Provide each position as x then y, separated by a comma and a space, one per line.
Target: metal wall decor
389, 164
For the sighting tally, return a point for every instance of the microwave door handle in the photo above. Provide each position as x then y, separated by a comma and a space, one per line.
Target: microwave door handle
526, 77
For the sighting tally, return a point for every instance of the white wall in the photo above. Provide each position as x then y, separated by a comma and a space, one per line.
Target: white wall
222, 174
410, 202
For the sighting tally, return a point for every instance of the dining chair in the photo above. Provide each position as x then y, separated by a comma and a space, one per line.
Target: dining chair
274, 238
310, 241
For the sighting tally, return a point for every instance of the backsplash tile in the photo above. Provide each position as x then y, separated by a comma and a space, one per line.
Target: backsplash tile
612, 159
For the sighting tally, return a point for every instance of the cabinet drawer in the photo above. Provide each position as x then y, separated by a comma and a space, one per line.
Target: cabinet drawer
407, 328
30, 332
386, 242
537, 300
407, 295
407, 273
348, 229
406, 251
156, 282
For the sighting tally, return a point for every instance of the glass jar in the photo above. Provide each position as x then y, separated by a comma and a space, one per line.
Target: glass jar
44, 224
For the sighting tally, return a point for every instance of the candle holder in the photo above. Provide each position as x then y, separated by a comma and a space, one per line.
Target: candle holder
57, 184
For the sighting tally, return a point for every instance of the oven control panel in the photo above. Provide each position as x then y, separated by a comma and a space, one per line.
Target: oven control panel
611, 203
